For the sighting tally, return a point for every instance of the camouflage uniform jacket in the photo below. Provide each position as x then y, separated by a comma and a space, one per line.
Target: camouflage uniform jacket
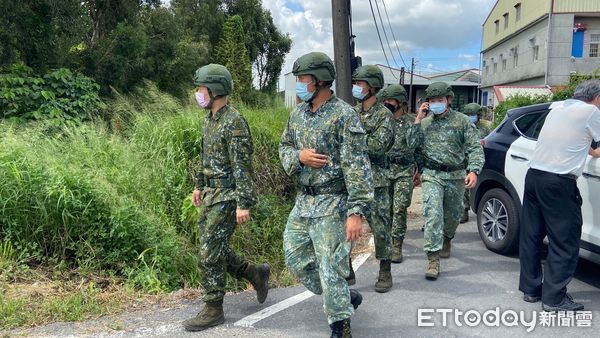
484, 128
335, 130
401, 155
450, 140
379, 126
226, 170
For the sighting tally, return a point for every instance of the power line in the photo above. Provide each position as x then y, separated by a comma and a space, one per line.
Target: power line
385, 34
393, 35
380, 41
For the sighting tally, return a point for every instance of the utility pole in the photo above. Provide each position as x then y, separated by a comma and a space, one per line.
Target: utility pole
410, 90
402, 73
341, 17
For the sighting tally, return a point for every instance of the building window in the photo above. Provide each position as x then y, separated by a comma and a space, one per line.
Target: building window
515, 54
487, 70
505, 20
594, 43
497, 22
503, 65
495, 67
518, 12
536, 52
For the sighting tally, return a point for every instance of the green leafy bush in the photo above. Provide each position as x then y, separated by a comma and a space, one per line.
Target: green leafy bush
59, 96
515, 102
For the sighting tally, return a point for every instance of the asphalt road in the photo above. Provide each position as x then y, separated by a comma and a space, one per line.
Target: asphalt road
473, 279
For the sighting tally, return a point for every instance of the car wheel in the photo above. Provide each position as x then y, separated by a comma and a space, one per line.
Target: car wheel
498, 221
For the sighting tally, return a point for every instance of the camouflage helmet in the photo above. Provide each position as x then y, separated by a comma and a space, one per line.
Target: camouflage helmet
214, 77
370, 74
394, 91
316, 64
472, 109
439, 89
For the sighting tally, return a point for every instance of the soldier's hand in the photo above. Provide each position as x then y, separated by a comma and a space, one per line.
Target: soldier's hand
312, 159
423, 111
417, 179
242, 216
353, 227
197, 197
470, 180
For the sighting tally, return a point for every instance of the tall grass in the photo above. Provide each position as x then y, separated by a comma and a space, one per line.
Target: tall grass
114, 197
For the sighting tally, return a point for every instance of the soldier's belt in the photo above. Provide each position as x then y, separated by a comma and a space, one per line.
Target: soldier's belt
219, 183
336, 187
443, 167
380, 161
401, 160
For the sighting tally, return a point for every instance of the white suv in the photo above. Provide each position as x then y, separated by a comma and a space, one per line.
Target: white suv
497, 198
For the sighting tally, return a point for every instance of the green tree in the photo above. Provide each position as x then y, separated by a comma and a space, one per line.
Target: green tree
231, 52
266, 45
40, 33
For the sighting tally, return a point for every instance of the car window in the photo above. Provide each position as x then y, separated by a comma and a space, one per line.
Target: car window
531, 124
538, 126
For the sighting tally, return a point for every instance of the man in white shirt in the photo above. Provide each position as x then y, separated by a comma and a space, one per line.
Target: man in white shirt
552, 203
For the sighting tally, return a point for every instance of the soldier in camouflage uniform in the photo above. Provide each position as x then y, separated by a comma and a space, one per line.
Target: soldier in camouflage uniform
474, 112
224, 192
379, 126
402, 165
449, 145
323, 148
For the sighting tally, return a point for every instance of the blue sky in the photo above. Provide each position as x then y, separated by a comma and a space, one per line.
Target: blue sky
442, 35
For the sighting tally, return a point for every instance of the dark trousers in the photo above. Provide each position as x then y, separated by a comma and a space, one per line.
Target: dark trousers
551, 207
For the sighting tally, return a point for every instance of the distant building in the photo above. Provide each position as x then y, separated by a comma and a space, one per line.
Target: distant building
535, 45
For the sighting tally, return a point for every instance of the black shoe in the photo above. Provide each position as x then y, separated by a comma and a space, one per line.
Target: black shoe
341, 329
567, 304
355, 298
531, 298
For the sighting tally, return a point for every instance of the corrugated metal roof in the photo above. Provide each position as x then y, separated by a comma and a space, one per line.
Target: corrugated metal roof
392, 76
504, 92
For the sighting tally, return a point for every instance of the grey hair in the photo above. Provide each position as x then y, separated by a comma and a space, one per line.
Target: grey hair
587, 91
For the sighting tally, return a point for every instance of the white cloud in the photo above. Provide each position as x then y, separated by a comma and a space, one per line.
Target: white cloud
423, 29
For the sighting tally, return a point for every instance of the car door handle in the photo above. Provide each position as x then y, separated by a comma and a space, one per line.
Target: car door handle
588, 175
519, 157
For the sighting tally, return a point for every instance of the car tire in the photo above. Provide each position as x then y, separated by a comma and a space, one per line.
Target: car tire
498, 221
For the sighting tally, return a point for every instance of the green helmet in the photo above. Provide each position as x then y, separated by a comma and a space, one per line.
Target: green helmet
214, 77
439, 89
316, 64
394, 91
472, 109
370, 74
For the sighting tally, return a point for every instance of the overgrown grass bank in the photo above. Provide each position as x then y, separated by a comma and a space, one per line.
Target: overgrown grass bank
112, 198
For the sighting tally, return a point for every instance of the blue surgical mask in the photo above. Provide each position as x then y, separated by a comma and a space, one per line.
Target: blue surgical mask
302, 91
437, 108
357, 92
474, 119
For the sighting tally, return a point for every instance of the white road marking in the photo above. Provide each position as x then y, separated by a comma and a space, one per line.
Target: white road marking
252, 319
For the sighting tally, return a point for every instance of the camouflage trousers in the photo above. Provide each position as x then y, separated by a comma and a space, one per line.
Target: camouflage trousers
402, 189
316, 252
466, 200
442, 207
380, 221
216, 225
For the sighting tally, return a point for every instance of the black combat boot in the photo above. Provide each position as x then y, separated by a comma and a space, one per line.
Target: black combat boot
341, 329
258, 276
355, 298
